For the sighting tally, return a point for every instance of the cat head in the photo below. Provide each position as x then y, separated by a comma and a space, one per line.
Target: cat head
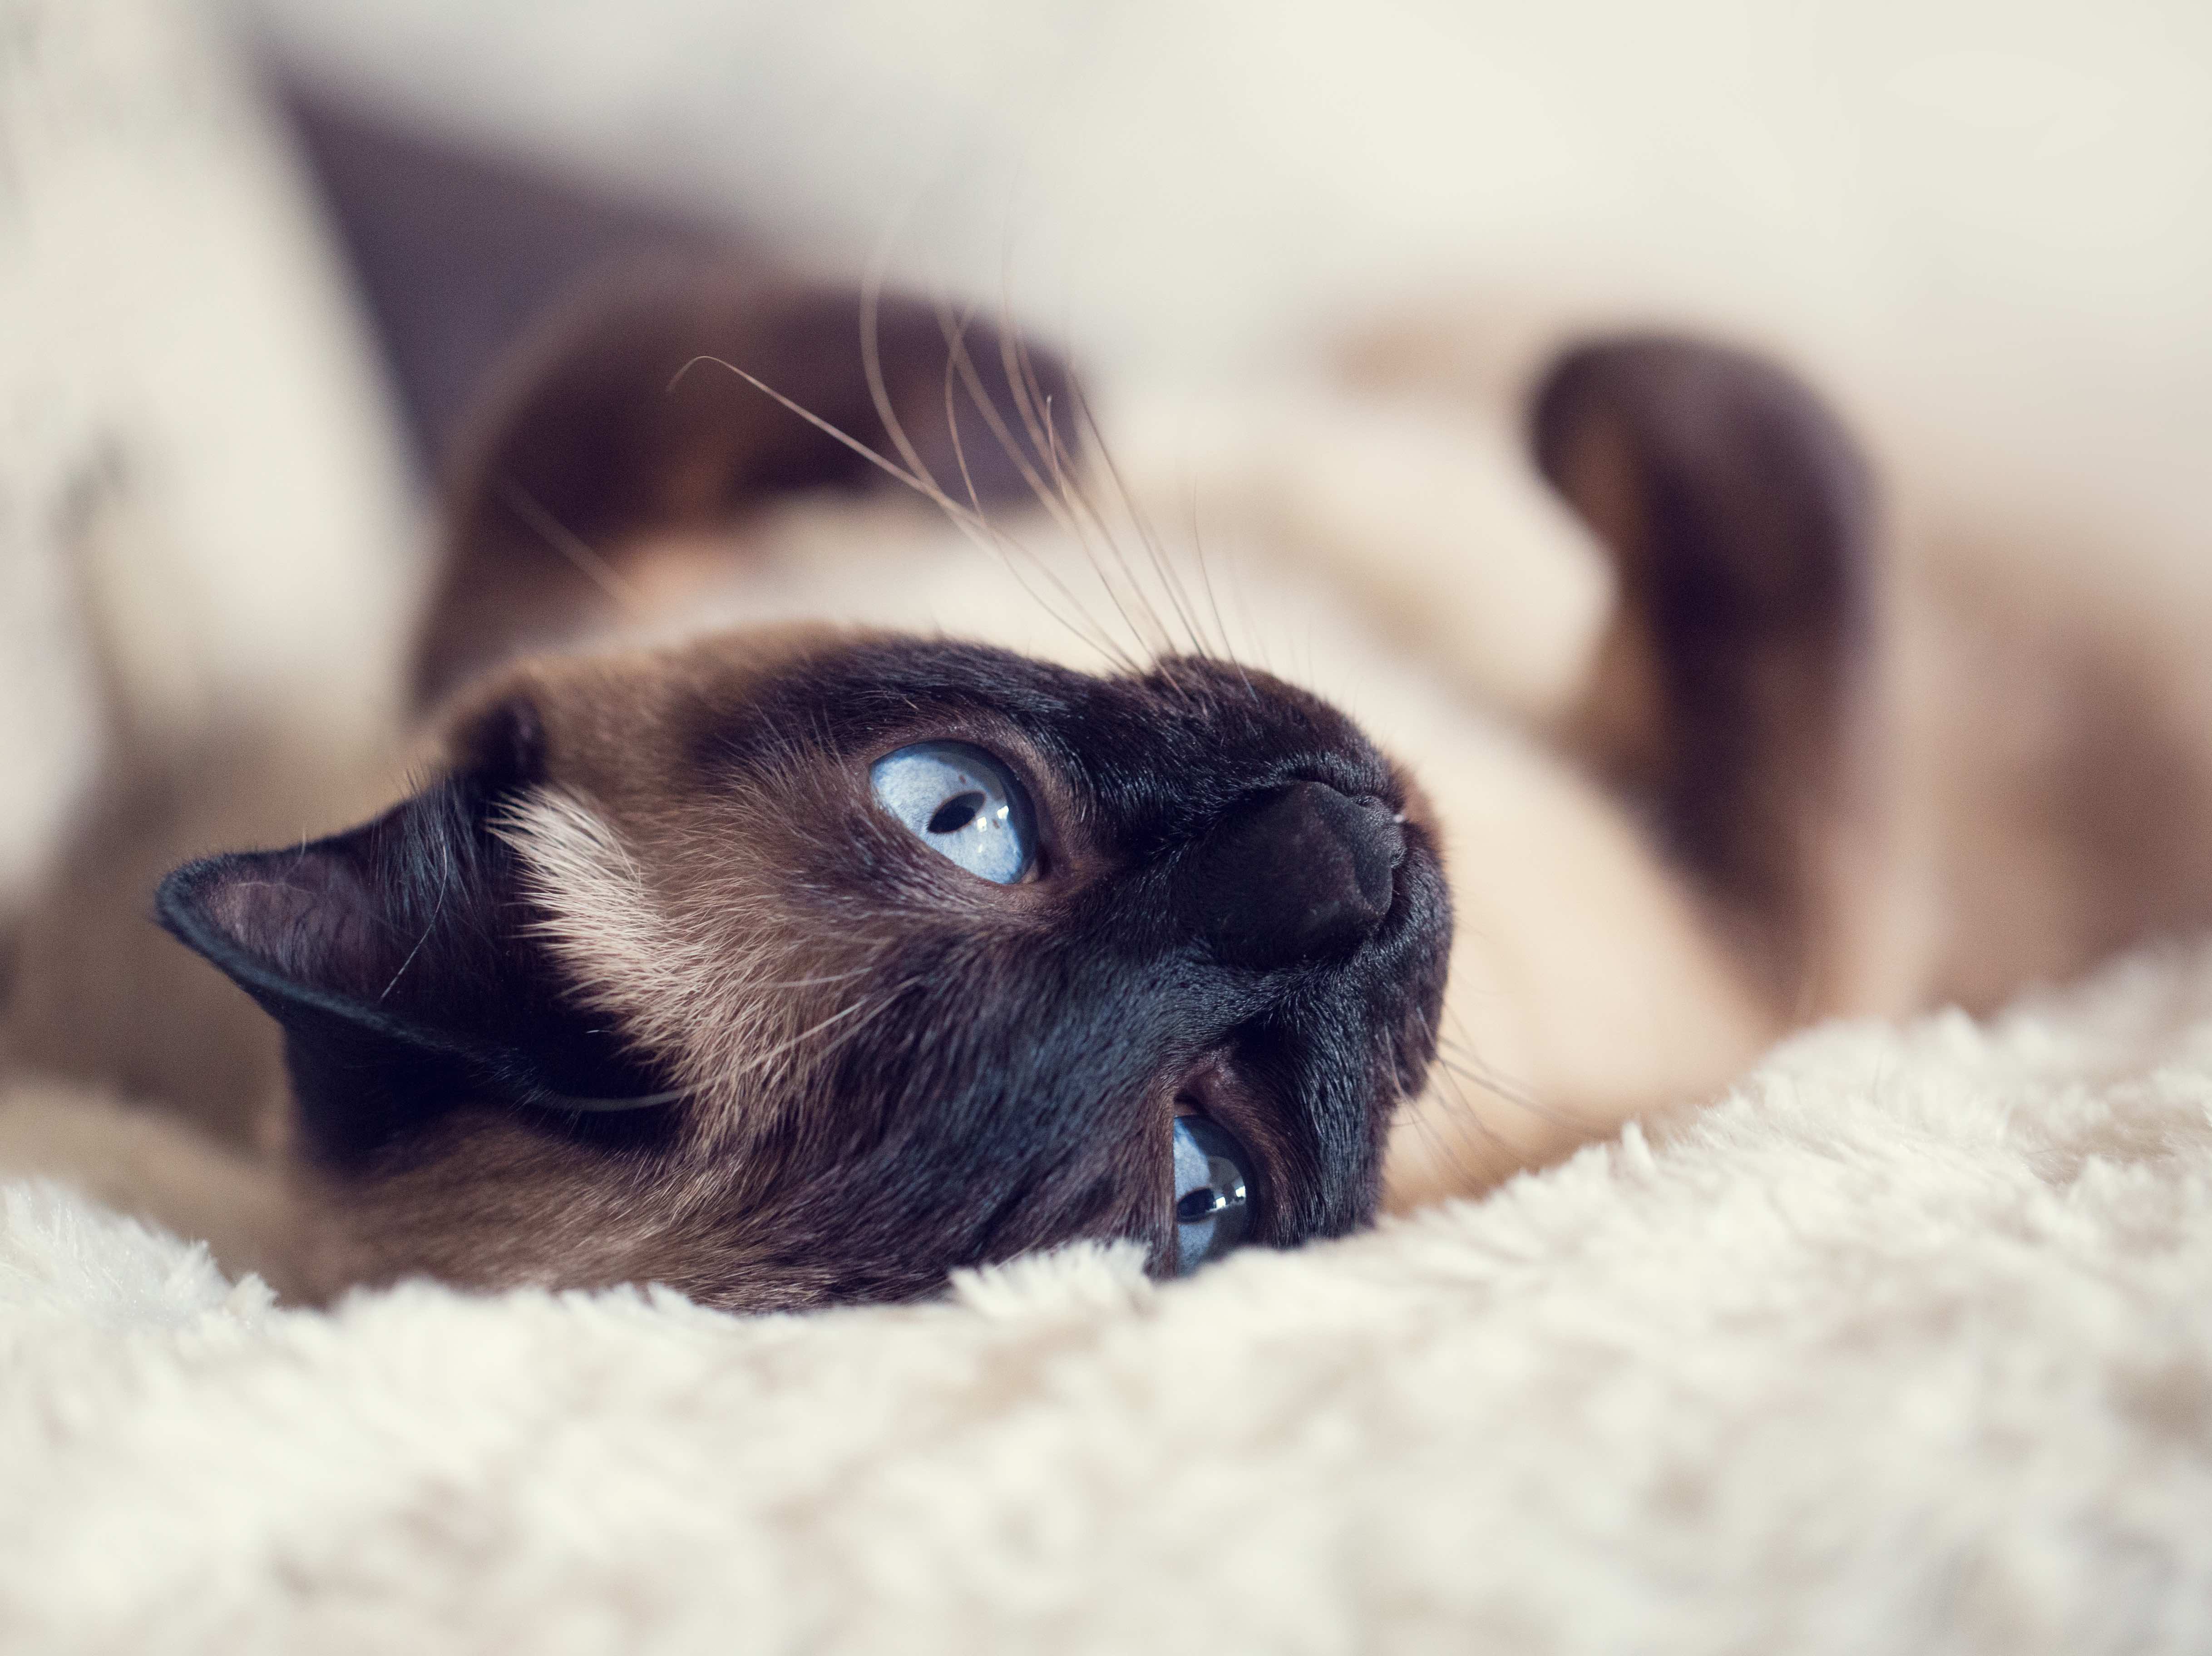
793, 965
801, 966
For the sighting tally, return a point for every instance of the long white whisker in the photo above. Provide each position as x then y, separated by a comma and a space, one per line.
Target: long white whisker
1171, 582
1055, 500
867, 1010
1099, 637
570, 545
928, 490
971, 524
1069, 478
1213, 597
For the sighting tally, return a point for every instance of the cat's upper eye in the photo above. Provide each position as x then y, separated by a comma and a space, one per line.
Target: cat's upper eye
1213, 1198
960, 803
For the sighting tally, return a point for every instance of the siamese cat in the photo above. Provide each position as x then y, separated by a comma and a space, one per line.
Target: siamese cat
871, 830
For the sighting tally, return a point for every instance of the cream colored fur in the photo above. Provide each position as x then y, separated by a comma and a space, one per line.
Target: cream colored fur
731, 989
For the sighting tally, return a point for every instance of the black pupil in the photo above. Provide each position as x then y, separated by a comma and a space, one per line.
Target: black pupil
957, 813
1201, 1203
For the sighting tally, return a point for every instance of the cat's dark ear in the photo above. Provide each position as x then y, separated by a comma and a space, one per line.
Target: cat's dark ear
621, 421
1742, 519
398, 959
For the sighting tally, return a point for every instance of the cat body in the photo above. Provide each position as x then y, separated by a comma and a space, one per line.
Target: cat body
1648, 651
1729, 721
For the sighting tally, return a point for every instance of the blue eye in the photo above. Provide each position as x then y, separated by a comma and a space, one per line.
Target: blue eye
960, 803
1212, 1205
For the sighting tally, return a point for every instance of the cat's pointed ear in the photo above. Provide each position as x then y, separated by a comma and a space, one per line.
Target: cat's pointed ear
1740, 517
397, 959
665, 398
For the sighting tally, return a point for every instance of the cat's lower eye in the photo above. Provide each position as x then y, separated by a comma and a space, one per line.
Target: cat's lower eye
960, 803
1213, 1201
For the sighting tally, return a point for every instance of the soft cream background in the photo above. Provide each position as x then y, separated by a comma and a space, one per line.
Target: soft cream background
190, 437
1990, 224
1991, 218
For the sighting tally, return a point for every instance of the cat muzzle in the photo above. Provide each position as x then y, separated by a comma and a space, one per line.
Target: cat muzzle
1301, 873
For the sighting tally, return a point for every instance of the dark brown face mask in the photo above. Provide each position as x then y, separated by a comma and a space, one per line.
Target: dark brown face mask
791, 968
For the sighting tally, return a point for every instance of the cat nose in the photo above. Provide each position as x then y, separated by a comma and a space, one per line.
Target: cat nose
1299, 873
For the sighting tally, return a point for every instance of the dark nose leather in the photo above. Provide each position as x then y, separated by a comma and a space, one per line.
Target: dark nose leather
1300, 873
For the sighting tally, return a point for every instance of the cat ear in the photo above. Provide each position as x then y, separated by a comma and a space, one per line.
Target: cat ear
1740, 518
398, 960
624, 421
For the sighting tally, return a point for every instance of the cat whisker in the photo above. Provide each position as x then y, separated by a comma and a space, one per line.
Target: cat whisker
1072, 505
976, 520
1004, 545
1450, 1151
973, 524
1102, 641
1462, 1058
571, 546
1170, 581
960, 363
864, 1011
1213, 599
1063, 500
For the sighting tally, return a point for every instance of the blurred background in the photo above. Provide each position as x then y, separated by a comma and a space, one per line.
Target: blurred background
1997, 212
254, 260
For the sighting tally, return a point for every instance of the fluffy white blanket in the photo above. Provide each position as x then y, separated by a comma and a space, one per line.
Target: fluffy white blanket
1904, 1346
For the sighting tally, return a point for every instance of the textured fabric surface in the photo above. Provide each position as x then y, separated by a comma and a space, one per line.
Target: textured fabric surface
1902, 1346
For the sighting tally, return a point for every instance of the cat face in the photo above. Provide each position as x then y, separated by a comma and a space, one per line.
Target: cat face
798, 966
